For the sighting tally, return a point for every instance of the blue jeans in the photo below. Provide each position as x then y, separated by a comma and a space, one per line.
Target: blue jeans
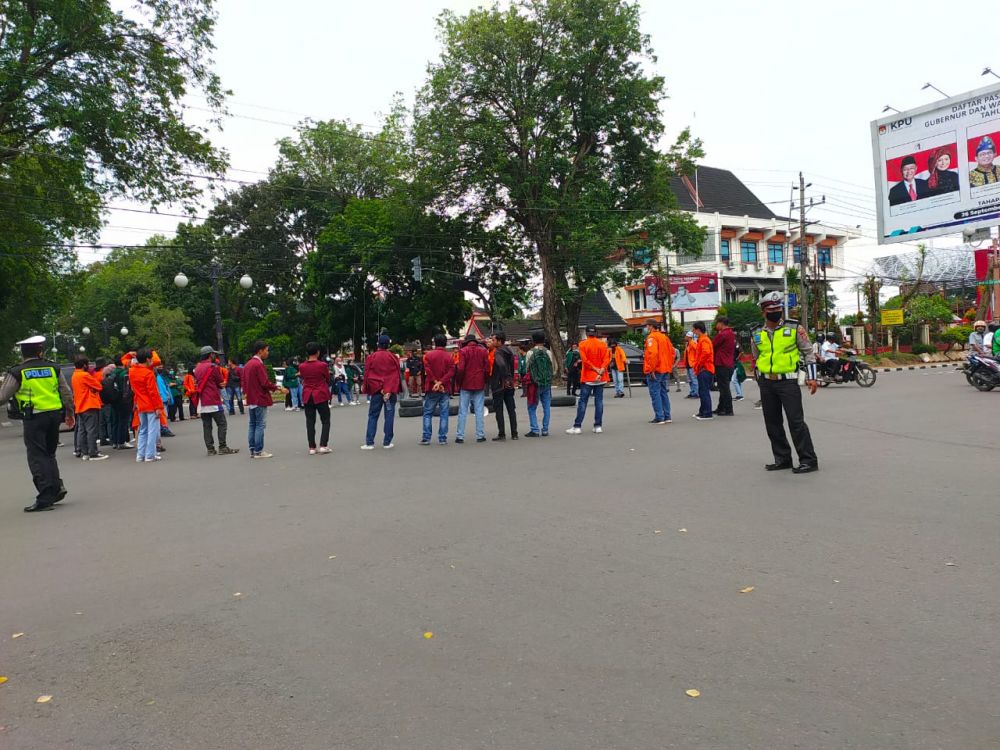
478, 400
433, 401
584, 397
692, 383
618, 378
737, 386
234, 396
149, 431
375, 408
255, 432
342, 392
545, 399
705, 379
659, 393
295, 393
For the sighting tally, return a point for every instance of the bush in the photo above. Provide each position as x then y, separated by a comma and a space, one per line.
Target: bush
924, 349
956, 335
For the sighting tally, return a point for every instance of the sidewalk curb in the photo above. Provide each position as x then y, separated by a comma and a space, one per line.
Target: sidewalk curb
919, 367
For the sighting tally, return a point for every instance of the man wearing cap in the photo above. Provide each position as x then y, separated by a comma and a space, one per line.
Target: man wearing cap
984, 173
44, 399
382, 384
911, 188
594, 360
208, 390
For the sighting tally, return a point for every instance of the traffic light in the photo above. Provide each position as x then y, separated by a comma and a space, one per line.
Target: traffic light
418, 270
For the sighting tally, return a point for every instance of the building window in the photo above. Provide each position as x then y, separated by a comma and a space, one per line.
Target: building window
775, 253
823, 255
724, 251
797, 254
639, 300
748, 251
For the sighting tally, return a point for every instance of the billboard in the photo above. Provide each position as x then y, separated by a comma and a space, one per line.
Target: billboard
693, 291
937, 170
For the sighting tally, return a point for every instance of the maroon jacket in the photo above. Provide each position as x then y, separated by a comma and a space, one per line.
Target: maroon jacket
256, 387
382, 373
473, 366
208, 378
438, 365
724, 343
314, 374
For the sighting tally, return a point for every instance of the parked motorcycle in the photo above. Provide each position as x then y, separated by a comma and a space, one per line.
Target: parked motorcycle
982, 372
851, 370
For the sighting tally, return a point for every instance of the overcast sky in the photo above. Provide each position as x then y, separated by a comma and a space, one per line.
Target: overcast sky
771, 87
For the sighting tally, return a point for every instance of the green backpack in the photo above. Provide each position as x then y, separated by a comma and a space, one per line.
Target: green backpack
540, 368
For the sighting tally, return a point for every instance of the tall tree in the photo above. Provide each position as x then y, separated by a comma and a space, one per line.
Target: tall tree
540, 116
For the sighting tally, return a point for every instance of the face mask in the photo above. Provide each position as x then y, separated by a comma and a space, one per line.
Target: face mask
774, 317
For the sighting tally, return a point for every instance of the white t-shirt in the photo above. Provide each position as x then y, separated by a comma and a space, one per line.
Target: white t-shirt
829, 351
988, 341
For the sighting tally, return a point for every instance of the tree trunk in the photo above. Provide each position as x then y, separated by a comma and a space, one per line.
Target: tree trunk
550, 308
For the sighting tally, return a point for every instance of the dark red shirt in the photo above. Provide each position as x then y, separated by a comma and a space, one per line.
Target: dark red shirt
208, 377
314, 375
438, 366
473, 366
724, 343
382, 373
256, 387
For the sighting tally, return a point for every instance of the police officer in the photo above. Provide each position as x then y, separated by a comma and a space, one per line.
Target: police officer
778, 347
42, 397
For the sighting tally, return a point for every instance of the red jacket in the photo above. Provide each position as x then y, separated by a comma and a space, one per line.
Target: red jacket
208, 379
473, 366
724, 343
256, 386
438, 366
382, 373
314, 374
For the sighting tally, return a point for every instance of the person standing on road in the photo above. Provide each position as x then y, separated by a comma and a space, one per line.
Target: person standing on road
704, 370
208, 395
657, 362
415, 373
594, 359
438, 370
572, 365
44, 399
540, 367
690, 355
341, 385
290, 382
314, 374
258, 389
778, 347
87, 404
148, 405
191, 391
176, 410
472, 372
724, 346
383, 382
617, 367
502, 386
234, 390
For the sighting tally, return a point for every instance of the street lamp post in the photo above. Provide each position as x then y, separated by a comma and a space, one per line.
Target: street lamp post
214, 273
107, 330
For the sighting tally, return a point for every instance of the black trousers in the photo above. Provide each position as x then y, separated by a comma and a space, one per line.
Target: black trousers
219, 417
175, 410
312, 409
192, 407
573, 382
776, 395
123, 424
723, 377
41, 437
501, 399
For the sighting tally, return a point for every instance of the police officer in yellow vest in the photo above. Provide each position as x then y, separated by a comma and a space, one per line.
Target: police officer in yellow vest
778, 347
43, 398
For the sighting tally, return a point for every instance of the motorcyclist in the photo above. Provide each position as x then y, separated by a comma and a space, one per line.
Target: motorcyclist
977, 344
829, 355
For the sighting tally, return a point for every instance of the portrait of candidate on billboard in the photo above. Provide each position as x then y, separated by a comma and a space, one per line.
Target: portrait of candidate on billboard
982, 154
694, 292
923, 174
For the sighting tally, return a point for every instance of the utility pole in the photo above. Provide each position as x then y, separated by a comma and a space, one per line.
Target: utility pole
804, 253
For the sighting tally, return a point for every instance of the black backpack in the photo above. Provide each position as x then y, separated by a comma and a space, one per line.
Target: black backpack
110, 391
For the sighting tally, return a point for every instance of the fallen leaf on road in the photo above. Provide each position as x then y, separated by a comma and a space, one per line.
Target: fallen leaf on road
3, 680
951, 565
683, 531
428, 635
747, 590
150, 703
17, 635
78, 613
43, 699
657, 531
631, 450
835, 580
238, 593
692, 693
332, 557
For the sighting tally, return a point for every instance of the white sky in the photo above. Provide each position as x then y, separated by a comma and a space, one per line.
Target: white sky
771, 87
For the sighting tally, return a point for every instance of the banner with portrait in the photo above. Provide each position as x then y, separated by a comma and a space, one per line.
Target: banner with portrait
694, 291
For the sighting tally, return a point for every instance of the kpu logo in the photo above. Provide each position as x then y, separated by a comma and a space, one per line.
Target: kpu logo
895, 125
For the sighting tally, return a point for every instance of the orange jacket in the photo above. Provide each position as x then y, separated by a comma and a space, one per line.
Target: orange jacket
144, 389
189, 385
225, 375
658, 356
621, 361
690, 353
594, 356
86, 391
704, 355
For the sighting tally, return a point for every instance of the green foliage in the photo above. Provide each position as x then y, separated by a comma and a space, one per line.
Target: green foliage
167, 330
742, 315
924, 349
955, 335
929, 309
272, 329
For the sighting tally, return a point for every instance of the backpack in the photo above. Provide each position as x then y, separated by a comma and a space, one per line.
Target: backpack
124, 386
110, 391
540, 368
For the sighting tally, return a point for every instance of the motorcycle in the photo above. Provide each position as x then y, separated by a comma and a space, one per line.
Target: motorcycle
983, 373
851, 370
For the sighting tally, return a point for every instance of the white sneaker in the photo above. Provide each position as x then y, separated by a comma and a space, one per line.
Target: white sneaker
598, 430
367, 447
312, 451
388, 447
573, 431
262, 454
130, 445
288, 408
154, 458
324, 449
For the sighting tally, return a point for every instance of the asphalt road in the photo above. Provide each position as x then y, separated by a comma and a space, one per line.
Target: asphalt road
575, 587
